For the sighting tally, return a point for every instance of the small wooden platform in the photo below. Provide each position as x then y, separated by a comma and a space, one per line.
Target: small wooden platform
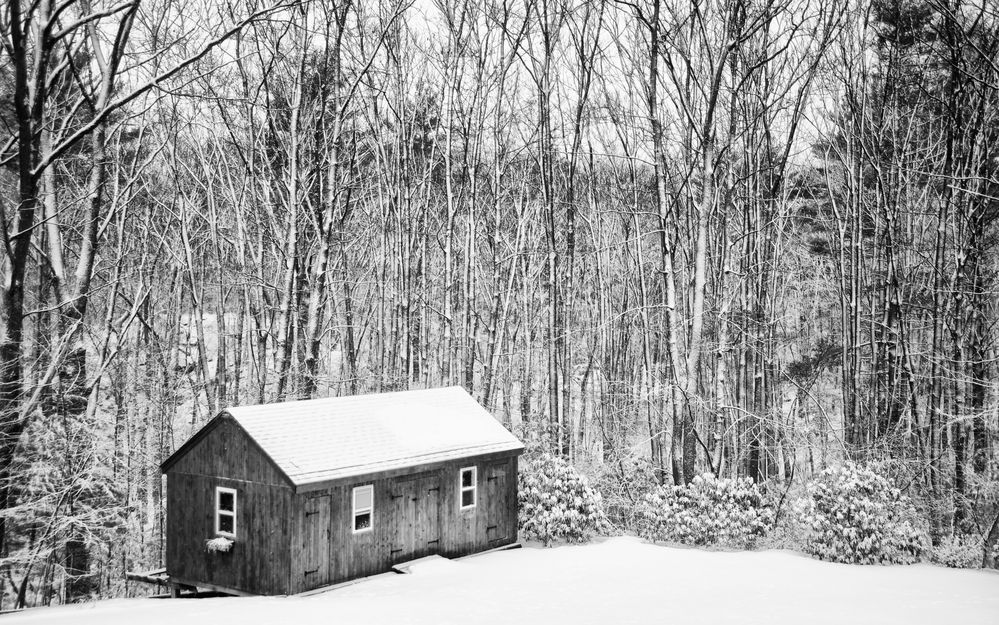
162, 580
155, 576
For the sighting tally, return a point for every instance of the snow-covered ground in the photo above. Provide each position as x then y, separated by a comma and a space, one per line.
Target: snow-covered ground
617, 581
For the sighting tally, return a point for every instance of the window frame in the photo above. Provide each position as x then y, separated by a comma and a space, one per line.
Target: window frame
369, 510
474, 488
219, 512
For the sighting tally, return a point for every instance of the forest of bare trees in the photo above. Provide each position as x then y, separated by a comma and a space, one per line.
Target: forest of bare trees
656, 237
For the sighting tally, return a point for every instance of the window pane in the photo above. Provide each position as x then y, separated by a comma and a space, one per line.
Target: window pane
466, 477
227, 501
467, 498
362, 497
225, 523
362, 521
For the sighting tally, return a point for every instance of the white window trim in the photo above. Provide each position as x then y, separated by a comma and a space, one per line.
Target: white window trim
474, 488
219, 491
369, 509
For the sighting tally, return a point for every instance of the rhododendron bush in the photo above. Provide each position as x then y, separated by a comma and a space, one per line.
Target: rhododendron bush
851, 514
557, 503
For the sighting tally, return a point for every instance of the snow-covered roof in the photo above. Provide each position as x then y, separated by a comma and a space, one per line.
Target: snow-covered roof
319, 440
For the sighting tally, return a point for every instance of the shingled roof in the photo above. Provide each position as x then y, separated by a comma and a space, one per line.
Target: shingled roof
319, 440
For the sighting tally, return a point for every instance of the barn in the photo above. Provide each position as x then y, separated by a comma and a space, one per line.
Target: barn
302, 494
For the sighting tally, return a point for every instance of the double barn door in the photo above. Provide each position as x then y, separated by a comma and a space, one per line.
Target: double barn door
409, 518
415, 510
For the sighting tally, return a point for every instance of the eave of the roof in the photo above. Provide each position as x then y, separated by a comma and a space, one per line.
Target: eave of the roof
408, 469
408, 462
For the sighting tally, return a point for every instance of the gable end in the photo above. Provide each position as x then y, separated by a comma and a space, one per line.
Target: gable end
227, 428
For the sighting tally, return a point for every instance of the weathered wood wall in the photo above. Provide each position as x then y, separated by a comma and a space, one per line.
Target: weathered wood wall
259, 561
415, 514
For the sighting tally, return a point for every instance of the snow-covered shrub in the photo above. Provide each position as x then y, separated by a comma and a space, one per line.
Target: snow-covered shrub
557, 503
707, 511
958, 552
219, 544
854, 515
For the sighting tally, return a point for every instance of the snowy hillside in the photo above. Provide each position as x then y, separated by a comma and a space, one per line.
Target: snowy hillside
621, 580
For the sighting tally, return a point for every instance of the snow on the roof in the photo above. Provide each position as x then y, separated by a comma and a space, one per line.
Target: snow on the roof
325, 439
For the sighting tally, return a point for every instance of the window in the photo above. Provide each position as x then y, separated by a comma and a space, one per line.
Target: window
467, 487
225, 511
364, 505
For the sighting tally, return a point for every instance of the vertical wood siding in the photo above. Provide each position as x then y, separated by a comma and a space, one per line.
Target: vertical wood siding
414, 515
259, 561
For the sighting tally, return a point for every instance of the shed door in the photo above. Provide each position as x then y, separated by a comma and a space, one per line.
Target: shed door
316, 542
415, 517
497, 502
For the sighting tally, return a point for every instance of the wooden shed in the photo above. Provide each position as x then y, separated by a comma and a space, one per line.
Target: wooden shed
317, 492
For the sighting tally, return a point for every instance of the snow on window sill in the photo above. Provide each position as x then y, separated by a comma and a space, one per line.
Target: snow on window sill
220, 544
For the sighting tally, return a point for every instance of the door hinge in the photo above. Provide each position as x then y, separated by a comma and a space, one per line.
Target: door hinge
312, 571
